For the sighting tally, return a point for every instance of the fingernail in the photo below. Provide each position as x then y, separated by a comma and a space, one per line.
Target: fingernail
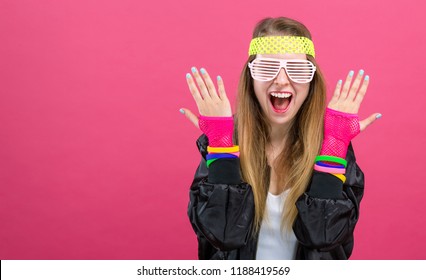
340, 82
193, 69
188, 75
203, 71
367, 78
351, 73
378, 116
219, 78
182, 111
361, 72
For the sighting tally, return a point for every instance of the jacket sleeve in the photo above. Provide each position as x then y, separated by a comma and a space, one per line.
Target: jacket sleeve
329, 211
221, 206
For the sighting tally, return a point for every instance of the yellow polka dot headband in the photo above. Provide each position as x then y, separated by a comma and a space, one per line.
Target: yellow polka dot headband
281, 45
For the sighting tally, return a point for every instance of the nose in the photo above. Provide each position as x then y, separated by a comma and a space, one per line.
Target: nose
282, 77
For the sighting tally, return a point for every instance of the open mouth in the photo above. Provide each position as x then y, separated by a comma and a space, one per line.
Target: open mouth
280, 101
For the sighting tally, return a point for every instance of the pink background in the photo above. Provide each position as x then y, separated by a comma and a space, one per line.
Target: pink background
96, 160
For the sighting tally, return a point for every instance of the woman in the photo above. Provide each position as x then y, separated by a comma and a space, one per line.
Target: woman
289, 188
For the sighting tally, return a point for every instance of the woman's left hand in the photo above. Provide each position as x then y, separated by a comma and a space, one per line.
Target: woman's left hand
348, 99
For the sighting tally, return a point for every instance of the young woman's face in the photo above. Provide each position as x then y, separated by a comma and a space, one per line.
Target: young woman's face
281, 98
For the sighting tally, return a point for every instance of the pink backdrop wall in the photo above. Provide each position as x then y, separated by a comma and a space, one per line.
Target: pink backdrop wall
96, 161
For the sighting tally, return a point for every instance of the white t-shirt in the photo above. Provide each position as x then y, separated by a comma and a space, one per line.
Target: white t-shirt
274, 244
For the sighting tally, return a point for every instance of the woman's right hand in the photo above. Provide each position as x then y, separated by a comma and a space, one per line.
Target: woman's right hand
210, 103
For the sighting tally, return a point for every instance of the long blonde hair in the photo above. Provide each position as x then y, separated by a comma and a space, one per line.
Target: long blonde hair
295, 163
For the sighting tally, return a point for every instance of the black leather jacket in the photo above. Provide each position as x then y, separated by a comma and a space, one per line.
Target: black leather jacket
222, 214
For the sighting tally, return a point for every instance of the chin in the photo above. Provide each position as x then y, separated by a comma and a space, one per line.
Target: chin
280, 120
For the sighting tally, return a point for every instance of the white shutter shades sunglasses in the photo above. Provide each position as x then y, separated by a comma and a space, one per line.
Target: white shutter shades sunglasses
266, 69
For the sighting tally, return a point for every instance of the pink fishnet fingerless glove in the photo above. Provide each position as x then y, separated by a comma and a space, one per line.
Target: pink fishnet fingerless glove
339, 129
218, 130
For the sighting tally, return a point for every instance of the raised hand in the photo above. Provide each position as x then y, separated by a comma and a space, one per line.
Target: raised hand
210, 103
349, 98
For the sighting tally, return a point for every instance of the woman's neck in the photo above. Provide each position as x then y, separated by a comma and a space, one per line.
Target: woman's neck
278, 136
277, 141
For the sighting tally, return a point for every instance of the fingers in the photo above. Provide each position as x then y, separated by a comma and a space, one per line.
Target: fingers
221, 88
347, 85
205, 84
203, 89
362, 91
190, 116
209, 101
336, 94
349, 96
210, 86
355, 85
193, 89
368, 121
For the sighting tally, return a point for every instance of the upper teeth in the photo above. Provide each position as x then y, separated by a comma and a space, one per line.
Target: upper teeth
281, 95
